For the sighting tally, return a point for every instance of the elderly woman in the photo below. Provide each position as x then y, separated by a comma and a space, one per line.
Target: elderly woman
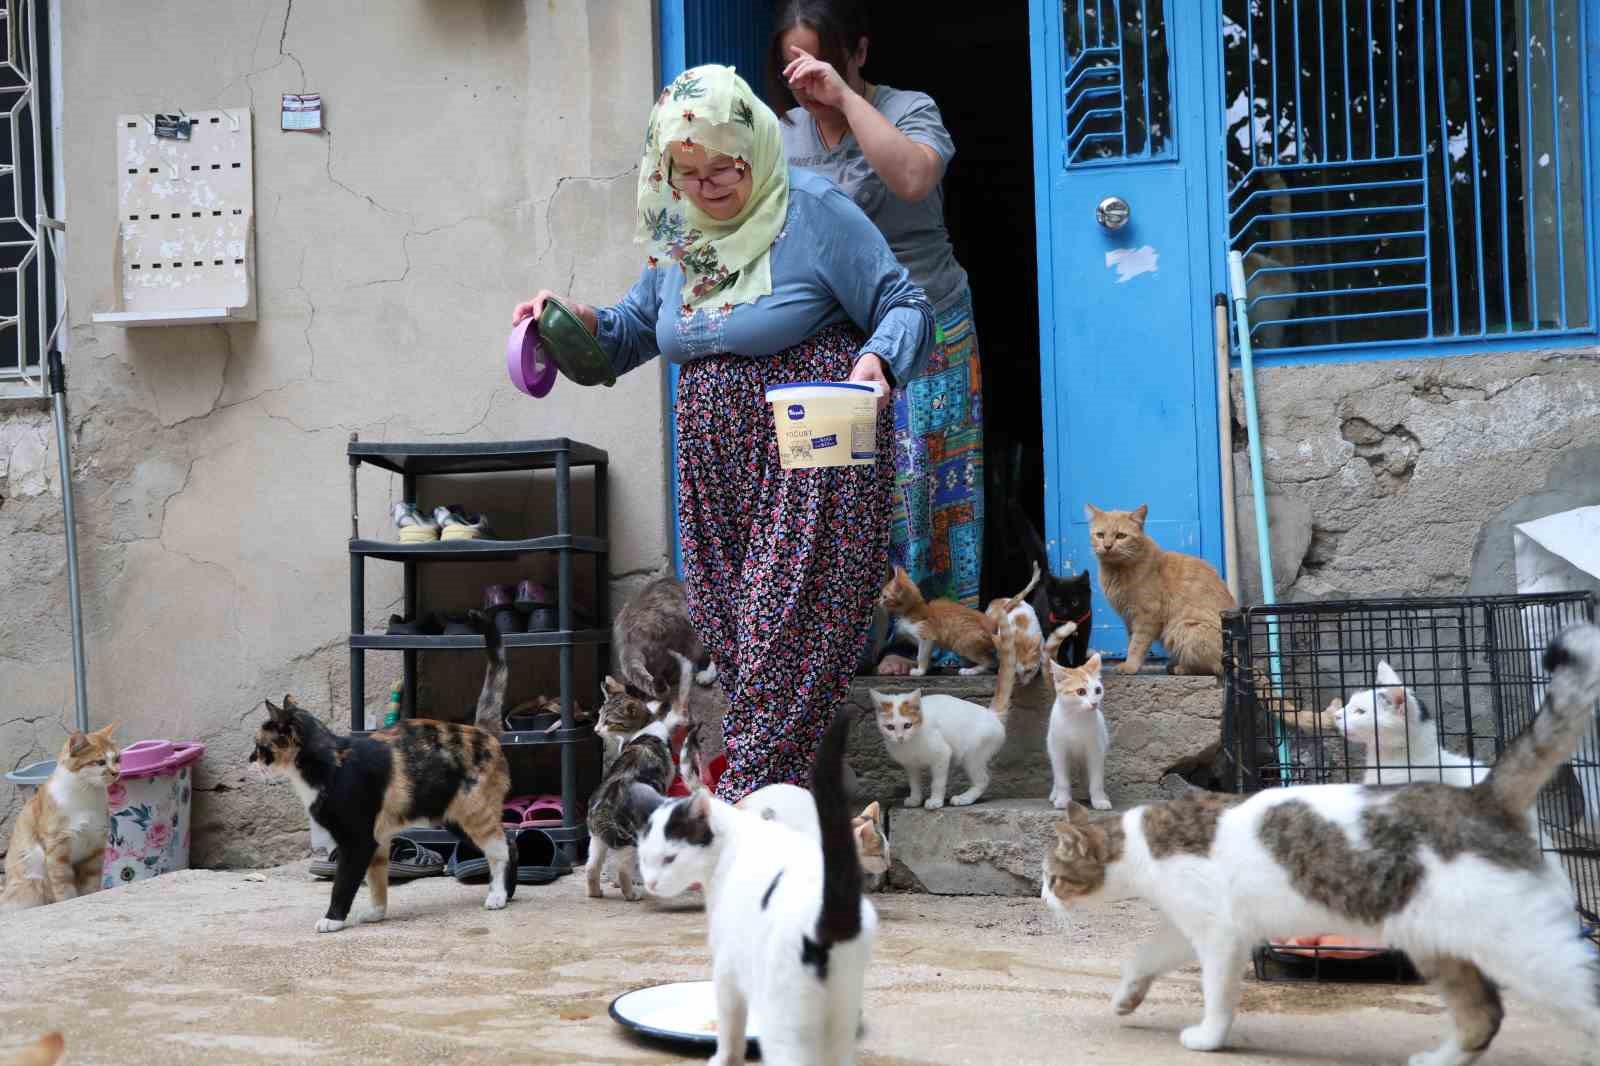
758, 275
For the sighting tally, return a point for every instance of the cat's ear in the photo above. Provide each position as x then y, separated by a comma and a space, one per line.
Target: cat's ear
1082, 578
874, 812
1139, 513
1390, 686
282, 716
1057, 671
613, 687
1093, 665
1334, 709
700, 805
1091, 512
289, 704
77, 743
105, 734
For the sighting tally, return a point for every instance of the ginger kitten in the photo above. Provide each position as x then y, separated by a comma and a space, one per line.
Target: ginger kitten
1167, 596
1453, 876
1077, 725
967, 632
58, 844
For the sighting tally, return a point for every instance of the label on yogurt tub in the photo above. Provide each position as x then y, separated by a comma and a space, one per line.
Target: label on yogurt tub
822, 424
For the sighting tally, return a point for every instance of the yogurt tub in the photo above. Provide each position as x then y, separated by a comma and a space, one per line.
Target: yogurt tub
825, 423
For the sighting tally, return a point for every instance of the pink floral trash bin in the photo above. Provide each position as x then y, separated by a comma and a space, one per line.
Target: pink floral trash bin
150, 805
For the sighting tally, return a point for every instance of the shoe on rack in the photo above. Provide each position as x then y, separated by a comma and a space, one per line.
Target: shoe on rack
428, 625
456, 524
498, 606
414, 525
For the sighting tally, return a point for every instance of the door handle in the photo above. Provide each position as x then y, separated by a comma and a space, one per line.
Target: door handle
1113, 213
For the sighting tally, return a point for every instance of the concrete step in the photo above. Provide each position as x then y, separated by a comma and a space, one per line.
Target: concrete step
1159, 724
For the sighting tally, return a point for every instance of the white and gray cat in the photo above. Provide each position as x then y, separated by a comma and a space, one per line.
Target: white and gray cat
1450, 875
1399, 737
789, 930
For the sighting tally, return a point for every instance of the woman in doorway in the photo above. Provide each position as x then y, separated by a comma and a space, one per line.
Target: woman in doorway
760, 276
888, 149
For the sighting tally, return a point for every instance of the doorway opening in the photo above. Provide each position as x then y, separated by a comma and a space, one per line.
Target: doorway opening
989, 209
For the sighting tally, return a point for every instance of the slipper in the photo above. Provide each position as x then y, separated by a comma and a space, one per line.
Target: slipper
539, 860
533, 812
408, 861
468, 865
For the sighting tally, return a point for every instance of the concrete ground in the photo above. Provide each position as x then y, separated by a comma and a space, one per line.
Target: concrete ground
215, 967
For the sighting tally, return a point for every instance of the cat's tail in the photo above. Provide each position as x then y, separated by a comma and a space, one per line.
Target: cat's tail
490, 715
690, 761
1005, 650
840, 918
1033, 583
1533, 758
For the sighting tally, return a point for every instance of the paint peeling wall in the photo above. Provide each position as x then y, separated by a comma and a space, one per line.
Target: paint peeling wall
476, 150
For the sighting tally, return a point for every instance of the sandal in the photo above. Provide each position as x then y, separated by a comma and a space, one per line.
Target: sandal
469, 866
408, 861
544, 862
534, 812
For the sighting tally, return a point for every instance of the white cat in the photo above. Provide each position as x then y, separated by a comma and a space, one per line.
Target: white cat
1451, 876
1077, 725
927, 733
1400, 737
789, 930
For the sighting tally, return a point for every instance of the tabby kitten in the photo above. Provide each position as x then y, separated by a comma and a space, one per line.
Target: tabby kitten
1453, 876
58, 843
1058, 600
364, 790
650, 631
1161, 595
637, 779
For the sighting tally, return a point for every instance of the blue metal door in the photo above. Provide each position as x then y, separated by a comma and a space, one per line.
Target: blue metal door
734, 33
1127, 380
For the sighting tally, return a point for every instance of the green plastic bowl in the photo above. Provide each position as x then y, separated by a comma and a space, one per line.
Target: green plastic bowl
575, 351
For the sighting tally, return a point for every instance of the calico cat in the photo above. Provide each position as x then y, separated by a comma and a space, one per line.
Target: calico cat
929, 732
1400, 737
967, 632
1058, 600
58, 843
364, 790
789, 930
792, 806
1077, 726
1451, 876
1167, 596
643, 766
650, 631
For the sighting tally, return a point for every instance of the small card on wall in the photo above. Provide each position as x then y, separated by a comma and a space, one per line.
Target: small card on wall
302, 111
173, 127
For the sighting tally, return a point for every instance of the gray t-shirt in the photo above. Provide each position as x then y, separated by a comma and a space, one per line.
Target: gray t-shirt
915, 232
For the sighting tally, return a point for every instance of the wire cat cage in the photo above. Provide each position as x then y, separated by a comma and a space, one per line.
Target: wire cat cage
1388, 691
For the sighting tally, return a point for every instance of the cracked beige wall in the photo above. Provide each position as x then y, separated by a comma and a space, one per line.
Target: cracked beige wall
476, 150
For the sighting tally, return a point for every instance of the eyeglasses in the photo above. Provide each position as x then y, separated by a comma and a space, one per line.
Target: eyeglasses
721, 178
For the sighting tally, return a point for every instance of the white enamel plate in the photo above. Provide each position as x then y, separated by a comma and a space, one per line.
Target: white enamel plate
682, 1013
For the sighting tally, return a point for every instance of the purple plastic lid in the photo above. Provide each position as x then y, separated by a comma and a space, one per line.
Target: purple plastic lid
531, 370
152, 758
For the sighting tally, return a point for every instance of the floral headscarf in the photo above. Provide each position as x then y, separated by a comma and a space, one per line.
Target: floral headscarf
725, 263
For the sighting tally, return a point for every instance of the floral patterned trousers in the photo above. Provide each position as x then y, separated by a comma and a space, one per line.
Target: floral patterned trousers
781, 567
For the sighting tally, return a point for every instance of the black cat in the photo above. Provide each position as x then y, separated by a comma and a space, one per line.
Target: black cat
1057, 600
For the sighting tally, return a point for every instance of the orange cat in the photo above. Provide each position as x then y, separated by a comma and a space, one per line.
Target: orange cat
58, 844
967, 632
1161, 595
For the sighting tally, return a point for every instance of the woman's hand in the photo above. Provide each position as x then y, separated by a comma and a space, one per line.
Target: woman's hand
868, 368
818, 78
535, 307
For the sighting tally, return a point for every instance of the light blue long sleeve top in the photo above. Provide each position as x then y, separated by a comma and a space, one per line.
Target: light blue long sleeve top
829, 265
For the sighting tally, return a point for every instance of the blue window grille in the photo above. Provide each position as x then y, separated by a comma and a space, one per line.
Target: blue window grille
1118, 82
1407, 170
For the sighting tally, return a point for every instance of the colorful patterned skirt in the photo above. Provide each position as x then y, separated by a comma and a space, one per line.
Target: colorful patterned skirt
936, 532
781, 567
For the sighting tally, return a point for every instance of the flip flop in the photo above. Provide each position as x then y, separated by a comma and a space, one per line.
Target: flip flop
408, 861
469, 866
541, 856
